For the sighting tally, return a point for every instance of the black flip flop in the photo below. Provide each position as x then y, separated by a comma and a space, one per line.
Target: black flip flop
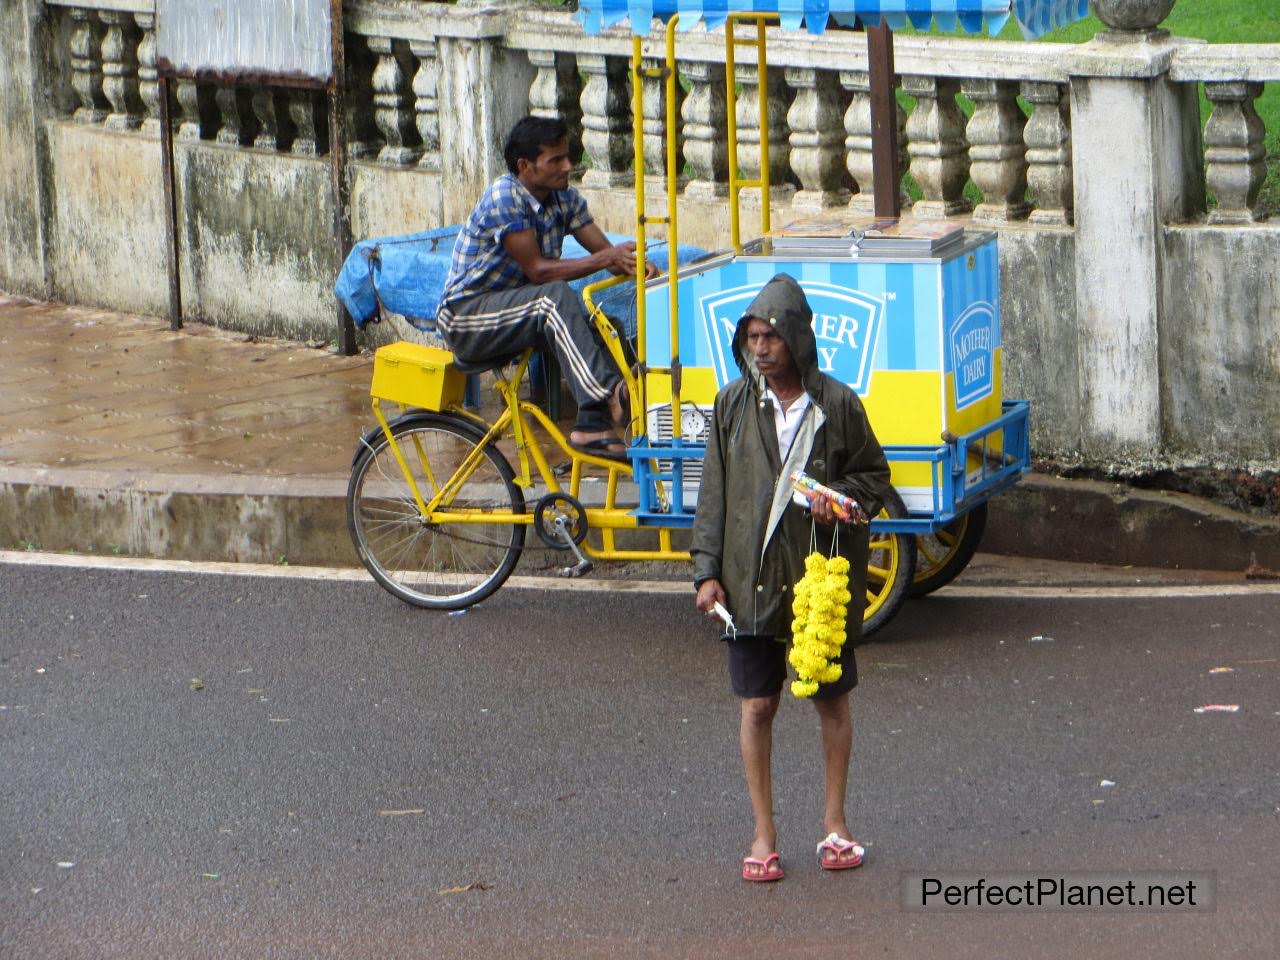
600, 448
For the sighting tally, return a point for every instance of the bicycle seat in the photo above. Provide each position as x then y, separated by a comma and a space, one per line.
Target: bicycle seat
483, 366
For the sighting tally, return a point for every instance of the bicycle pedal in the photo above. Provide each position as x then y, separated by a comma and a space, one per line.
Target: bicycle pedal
579, 569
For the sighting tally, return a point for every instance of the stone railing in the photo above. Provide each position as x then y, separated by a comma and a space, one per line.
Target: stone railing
820, 130
1014, 147
1122, 217
1235, 157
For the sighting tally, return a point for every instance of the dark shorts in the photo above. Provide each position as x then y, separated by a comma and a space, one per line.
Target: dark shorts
758, 668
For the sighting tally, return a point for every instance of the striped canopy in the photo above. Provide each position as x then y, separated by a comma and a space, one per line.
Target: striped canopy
1036, 17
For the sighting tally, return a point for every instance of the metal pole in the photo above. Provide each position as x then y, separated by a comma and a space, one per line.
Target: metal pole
170, 208
886, 178
338, 170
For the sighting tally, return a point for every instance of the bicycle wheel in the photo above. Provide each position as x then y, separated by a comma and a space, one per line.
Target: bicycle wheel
941, 556
440, 565
891, 563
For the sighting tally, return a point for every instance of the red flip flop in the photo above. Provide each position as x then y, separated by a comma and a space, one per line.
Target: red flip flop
765, 871
846, 854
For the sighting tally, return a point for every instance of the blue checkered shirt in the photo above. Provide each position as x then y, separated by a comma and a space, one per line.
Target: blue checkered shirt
480, 263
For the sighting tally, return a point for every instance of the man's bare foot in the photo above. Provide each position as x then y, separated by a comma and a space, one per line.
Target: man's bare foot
763, 844
839, 850
620, 405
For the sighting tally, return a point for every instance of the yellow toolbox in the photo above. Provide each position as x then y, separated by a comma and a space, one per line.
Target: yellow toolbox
417, 376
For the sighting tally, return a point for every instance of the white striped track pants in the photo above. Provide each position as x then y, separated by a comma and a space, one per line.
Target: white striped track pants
504, 322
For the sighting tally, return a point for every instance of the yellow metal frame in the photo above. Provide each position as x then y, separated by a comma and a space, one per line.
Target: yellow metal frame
515, 421
667, 73
736, 183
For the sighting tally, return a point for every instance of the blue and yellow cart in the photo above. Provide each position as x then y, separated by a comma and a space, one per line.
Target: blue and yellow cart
912, 326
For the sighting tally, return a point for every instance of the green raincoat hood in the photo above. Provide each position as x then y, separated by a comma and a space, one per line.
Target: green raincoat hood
785, 306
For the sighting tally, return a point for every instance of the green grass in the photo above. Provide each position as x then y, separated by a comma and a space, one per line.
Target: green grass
1218, 21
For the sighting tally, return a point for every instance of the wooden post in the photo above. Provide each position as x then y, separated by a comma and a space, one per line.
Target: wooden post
170, 207
338, 170
885, 177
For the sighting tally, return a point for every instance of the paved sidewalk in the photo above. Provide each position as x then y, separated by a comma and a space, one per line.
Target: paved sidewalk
119, 436
93, 390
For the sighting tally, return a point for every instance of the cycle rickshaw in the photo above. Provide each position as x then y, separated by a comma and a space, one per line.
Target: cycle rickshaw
440, 516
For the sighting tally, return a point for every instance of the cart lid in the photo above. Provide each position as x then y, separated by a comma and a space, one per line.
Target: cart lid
1036, 17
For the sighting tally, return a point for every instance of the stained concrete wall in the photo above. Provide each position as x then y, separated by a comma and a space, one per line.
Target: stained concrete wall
22, 256
1220, 346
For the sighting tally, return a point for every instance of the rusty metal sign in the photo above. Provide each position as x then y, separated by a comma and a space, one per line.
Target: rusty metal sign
280, 40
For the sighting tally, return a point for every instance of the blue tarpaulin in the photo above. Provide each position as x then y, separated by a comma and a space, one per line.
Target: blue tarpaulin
406, 274
1037, 17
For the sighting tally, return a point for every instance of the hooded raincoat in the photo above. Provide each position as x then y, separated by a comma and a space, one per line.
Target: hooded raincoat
748, 532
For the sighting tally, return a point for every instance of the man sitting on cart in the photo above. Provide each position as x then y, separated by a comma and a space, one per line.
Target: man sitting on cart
750, 539
508, 289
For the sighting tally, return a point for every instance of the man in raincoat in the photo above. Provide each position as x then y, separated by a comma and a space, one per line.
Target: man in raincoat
751, 536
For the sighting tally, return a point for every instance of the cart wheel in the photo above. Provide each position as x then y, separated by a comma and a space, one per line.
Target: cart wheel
941, 556
890, 565
442, 566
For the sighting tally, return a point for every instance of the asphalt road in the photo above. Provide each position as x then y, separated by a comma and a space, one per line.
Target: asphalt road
574, 757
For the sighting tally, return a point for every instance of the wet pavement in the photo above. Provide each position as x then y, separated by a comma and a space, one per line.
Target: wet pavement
87, 388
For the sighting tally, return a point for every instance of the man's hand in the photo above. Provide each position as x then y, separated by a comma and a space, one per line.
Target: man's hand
824, 513
620, 259
709, 594
820, 507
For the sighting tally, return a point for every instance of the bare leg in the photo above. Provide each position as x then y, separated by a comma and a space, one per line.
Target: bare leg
756, 736
837, 748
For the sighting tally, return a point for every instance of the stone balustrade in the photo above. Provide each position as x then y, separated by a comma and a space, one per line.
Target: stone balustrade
1233, 77
1009, 159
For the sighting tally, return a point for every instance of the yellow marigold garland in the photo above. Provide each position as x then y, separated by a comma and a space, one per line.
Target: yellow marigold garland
817, 633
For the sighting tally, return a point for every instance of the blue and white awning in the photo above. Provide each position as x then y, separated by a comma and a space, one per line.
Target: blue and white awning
1037, 17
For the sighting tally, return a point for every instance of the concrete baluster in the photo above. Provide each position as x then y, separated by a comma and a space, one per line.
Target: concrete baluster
393, 104
704, 115
363, 136
655, 124
120, 71
748, 113
197, 110
556, 91
606, 121
817, 147
937, 147
239, 126
1048, 139
309, 115
997, 153
1234, 152
857, 124
425, 103
275, 128
148, 77
86, 67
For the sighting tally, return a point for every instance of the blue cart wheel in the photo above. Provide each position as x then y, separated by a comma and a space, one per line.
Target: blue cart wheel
891, 564
941, 556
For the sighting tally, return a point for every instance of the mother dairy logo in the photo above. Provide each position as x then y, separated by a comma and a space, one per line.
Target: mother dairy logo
846, 324
972, 342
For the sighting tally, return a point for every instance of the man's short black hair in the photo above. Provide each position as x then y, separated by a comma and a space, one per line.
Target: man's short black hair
530, 135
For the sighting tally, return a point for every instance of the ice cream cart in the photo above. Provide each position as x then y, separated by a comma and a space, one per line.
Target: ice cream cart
906, 313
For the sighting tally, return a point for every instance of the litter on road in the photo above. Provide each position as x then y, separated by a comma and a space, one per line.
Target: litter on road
1219, 708
1223, 670
401, 813
466, 888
